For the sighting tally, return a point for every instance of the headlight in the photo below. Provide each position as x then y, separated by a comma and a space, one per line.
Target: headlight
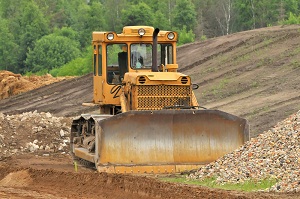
171, 35
110, 36
141, 31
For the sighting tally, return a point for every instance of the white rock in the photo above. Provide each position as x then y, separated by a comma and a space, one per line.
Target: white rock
32, 147
47, 148
48, 115
62, 133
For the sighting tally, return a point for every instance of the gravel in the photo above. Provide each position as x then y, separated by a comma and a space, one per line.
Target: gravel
32, 132
274, 154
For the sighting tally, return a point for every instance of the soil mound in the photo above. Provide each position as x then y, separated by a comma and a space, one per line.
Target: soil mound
13, 84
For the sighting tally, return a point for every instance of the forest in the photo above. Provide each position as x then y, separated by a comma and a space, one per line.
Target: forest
54, 36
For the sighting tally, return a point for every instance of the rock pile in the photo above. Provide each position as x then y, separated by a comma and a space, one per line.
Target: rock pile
33, 132
273, 154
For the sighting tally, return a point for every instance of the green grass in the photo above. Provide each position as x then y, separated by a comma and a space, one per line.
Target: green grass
242, 58
247, 186
254, 84
221, 86
295, 64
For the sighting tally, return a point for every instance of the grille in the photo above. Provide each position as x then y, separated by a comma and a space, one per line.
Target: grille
156, 97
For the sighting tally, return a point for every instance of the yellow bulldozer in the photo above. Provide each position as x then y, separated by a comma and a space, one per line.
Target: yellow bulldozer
149, 120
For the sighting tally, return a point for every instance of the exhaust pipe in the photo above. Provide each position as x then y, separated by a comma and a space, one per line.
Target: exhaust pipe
154, 67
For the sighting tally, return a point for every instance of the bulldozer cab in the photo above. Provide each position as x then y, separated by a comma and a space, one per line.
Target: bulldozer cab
130, 51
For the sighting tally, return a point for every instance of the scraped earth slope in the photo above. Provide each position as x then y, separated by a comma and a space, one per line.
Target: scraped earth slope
252, 74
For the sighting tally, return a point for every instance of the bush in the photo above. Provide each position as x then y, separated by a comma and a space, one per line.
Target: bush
185, 36
50, 52
293, 19
77, 67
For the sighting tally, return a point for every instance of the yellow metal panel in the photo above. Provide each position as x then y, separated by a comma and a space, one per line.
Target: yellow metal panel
98, 36
154, 76
98, 92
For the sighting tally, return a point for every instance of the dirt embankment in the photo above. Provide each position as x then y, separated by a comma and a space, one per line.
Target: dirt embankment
253, 74
13, 84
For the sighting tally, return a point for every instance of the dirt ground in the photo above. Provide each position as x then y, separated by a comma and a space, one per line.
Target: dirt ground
252, 74
29, 176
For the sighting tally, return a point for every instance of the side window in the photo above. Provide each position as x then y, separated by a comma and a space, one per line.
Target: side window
100, 60
95, 60
165, 54
170, 54
116, 63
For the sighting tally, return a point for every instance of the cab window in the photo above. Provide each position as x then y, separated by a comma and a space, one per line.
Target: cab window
116, 63
140, 56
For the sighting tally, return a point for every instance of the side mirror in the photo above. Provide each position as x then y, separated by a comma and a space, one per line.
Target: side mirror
195, 86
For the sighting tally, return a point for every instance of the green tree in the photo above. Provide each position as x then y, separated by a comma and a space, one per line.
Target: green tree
140, 14
185, 14
67, 32
185, 36
76, 67
33, 26
89, 18
51, 51
59, 13
293, 19
113, 13
161, 21
8, 49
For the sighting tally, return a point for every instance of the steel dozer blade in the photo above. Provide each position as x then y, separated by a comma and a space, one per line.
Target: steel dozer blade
166, 141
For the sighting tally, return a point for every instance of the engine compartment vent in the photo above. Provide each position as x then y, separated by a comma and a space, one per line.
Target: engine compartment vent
184, 80
142, 80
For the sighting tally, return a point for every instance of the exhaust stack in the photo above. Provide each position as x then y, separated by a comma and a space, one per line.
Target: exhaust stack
154, 51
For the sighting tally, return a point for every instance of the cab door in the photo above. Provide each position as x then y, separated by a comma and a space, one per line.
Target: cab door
116, 65
98, 74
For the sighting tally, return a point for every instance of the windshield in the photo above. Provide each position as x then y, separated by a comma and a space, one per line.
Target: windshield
141, 55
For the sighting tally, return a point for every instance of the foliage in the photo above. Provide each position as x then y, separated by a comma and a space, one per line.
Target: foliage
51, 51
88, 19
8, 49
76, 67
139, 14
185, 15
66, 32
24, 22
34, 26
185, 36
293, 19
